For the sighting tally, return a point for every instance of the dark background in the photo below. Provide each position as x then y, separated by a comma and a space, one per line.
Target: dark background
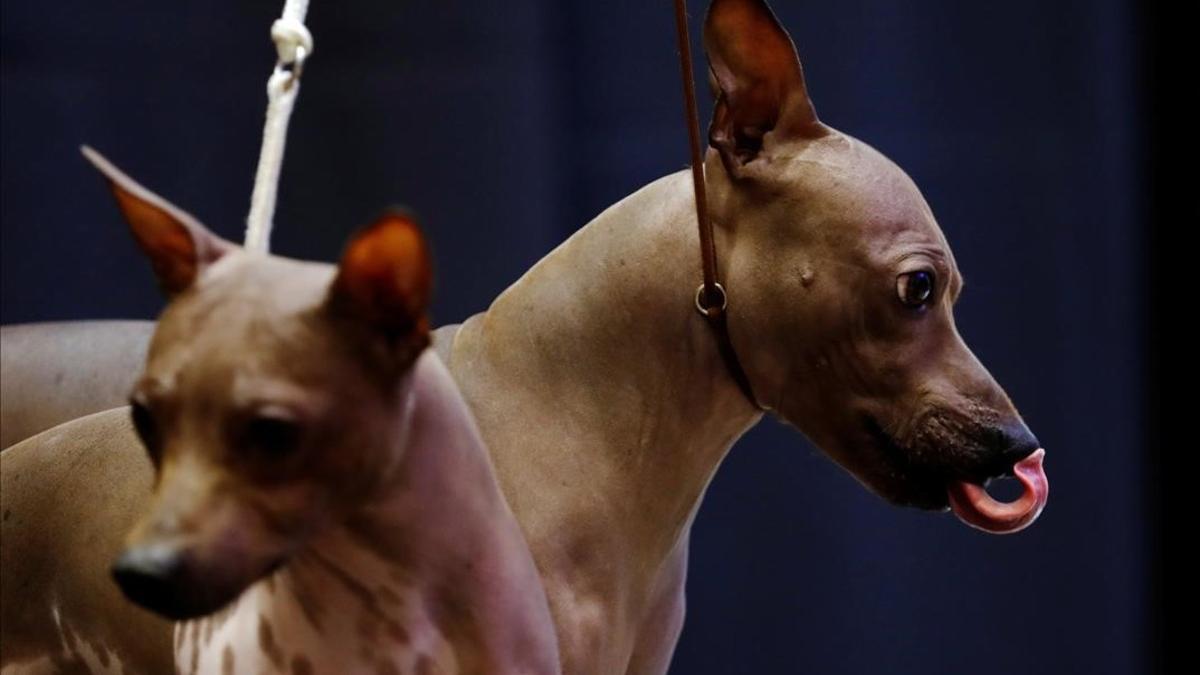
508, 125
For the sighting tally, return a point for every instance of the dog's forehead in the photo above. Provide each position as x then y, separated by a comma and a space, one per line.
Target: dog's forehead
252, 285
273, 282
851, 184
245, 304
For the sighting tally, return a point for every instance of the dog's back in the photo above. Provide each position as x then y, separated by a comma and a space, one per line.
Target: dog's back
52, 373
68, 495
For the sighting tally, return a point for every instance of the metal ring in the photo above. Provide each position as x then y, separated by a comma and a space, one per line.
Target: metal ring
700, 305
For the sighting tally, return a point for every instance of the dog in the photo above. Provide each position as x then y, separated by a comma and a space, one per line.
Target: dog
607, 407
322, 500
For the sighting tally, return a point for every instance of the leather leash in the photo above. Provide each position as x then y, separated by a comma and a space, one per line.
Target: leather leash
711, 299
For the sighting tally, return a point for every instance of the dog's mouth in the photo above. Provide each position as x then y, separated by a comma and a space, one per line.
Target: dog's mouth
967, 496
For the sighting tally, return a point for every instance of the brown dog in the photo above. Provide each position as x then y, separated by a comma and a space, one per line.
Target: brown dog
607, 407
322, 501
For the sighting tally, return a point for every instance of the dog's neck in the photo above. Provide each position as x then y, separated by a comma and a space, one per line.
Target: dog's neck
431, 575
602, 341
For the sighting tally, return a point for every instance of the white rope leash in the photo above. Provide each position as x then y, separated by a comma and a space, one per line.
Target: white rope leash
294, 44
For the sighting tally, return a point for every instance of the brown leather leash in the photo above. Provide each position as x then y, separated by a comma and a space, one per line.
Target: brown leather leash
711, 299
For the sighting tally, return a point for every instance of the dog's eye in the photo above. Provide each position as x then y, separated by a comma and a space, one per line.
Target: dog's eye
915, 288
147, 429
271, 437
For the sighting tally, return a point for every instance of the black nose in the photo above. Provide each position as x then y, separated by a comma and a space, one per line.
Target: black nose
1014, 442
152, 576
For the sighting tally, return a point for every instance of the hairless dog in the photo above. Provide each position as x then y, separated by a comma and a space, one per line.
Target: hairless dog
313, 495
607, 407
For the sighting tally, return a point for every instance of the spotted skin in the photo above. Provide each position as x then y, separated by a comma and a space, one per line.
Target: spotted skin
382, 627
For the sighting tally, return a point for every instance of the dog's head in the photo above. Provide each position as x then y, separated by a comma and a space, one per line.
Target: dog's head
273, 399
842, 289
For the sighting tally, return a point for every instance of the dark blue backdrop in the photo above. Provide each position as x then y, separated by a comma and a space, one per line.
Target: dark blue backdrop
508, 125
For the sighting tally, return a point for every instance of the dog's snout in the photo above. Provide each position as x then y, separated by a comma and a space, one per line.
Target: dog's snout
151, 576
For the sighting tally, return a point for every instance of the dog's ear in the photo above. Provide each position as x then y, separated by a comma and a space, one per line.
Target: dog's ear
757, 80
385, 277
177, 245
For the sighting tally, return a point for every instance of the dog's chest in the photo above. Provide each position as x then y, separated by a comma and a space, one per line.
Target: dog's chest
319, 616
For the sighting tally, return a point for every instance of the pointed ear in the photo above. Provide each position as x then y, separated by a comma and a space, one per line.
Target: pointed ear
177, 245
385, 277
757, 81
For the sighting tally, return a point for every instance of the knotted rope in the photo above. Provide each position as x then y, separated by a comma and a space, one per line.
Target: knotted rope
294, 44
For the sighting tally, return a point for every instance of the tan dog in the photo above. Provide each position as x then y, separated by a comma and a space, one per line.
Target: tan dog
608, 409
318, 482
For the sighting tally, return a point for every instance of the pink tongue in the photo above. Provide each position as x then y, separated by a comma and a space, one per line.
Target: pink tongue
975, 507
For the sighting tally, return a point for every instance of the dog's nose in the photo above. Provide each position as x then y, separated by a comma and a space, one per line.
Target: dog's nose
150, 576
1015, 443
